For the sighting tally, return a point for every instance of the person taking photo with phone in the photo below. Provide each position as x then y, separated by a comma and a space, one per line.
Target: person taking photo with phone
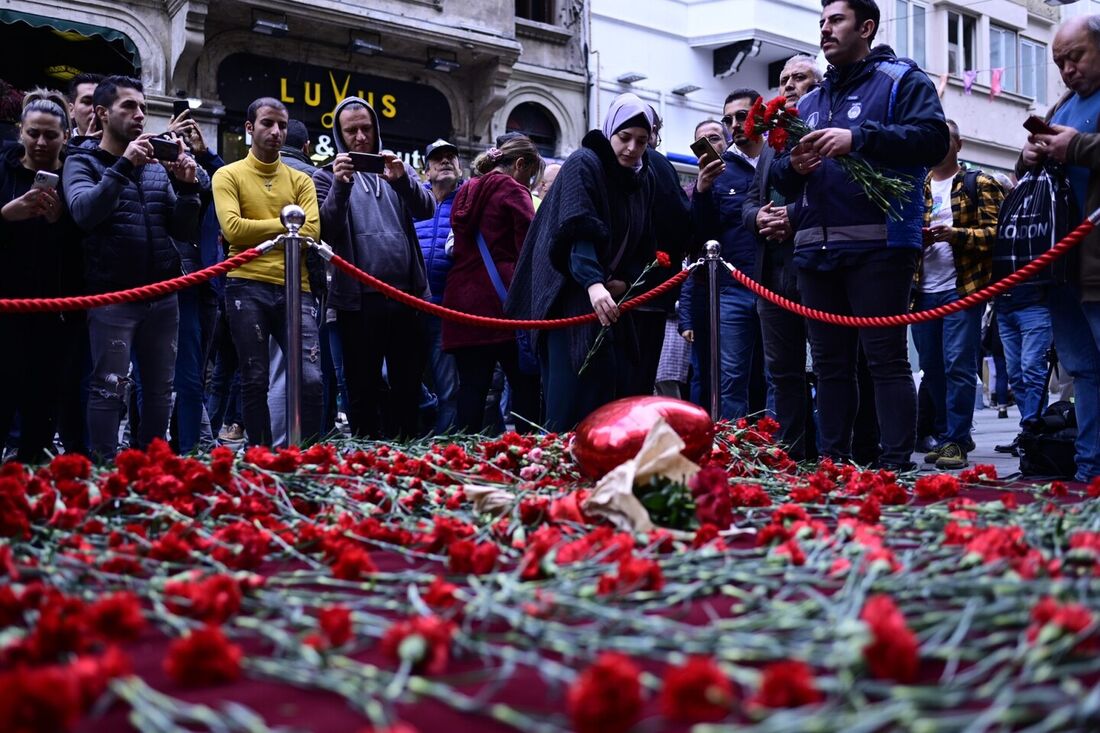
130, 206
368, 203
249, 196
39, 246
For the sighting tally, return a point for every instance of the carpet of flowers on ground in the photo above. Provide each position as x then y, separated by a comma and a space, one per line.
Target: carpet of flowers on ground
820, 597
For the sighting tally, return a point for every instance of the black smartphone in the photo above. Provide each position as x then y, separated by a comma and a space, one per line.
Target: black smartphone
179, 106
164, 149
705, 152
368, 162
1037, 126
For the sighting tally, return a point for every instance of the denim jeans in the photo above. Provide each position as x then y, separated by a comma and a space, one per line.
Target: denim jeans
1026, 338
874, 287
257, 313
189, 371
948, 350
1076, 329
444, 375
784, 337
224, 400
738, 326
148, 330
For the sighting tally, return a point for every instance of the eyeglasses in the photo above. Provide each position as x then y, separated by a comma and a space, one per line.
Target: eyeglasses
739, 116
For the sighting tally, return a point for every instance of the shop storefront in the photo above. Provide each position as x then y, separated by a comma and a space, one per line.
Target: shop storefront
410, 115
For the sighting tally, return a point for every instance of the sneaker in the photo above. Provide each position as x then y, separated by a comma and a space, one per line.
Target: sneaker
933, 455
231, 433
1002, 412
951, 457
897, 468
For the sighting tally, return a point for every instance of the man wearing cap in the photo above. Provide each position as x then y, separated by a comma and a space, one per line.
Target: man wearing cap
444, 179
368, 219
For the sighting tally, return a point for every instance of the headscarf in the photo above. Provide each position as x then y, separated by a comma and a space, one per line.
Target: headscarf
623, 110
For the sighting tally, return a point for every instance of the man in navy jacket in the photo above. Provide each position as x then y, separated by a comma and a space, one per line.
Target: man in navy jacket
852, 257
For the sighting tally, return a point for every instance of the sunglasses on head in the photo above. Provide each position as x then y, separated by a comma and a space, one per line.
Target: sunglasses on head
738, 117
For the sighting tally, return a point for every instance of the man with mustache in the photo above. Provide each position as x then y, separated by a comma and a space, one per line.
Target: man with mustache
852, 257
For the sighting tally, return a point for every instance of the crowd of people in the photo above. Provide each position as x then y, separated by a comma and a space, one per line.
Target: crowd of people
95, 203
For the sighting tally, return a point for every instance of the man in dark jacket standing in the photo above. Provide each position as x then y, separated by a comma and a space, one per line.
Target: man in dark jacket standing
434, 233
784, 333
852, 257
368, 220
130, 205
720, 194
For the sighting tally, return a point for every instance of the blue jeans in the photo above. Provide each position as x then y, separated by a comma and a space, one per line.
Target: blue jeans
444, 375
1076, 328
1026, 337
189, 371
148, 331
738, 325
948, 350
257, 313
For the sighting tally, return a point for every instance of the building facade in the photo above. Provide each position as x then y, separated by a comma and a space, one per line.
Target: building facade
431, 68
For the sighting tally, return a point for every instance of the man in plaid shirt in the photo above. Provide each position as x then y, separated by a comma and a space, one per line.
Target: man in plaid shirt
960, 224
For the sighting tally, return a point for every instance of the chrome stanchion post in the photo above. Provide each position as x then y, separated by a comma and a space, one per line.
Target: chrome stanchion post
712, 257
293, 218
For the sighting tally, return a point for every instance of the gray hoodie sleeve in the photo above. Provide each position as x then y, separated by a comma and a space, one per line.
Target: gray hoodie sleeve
418, 200
91, 198
332, 200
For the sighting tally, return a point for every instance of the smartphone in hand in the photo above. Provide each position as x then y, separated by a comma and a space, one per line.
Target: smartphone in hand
368, 162
165, 149
45, 180
1038, 126
179, 106
705, 152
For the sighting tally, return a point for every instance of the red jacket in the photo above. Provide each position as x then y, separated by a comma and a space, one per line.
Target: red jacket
501, 208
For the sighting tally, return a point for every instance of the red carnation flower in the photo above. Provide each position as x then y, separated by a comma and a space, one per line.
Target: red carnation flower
778, 138
713, 502
634, 574
353, 564
117, 617
336, 623
663, 260
39, 699
606, 697
773, 107
423, 641
788, 684
696, 692
468, 558
440, 594
893, 651
203, 657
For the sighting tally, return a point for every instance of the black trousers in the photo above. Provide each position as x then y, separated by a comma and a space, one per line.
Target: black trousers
475, 366
382, 330
784, 338
30, 378
877, 286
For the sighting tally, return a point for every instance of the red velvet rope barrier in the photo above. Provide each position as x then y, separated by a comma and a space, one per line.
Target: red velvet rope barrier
501, 323
145, 292
1070, 241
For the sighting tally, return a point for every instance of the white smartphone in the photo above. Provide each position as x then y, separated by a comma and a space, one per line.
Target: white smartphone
45, 179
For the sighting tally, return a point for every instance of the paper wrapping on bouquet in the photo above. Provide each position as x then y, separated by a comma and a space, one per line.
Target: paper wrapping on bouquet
613, 498
614, 433
489, 499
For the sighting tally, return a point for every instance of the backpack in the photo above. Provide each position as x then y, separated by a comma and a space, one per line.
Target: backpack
970, 186
1034, 217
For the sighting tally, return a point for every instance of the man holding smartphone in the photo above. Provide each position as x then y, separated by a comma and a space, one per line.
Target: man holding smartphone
249, 196
368, 204
130, 207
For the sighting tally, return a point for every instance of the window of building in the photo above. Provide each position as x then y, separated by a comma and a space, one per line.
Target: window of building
534, 121
962, 41
539, 10
1002, 55
1033, 70
909, 26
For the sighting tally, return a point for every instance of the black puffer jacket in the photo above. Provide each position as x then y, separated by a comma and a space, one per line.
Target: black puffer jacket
129, 216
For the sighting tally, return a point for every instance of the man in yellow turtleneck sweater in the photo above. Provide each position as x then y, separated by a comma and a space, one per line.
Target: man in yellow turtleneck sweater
248, 197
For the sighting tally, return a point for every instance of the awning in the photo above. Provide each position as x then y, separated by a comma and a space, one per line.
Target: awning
70, 26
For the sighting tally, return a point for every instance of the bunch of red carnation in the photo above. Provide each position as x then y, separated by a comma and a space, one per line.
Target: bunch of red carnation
780, 122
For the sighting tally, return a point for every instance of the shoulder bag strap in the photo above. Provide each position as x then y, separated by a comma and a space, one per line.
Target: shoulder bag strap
491, 268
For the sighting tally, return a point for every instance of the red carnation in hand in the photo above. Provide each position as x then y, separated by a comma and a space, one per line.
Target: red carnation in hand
788, 684
663, 260
203, 657
756, 116
423, 641
117, 617
893, 651
606, 697
778, 138
336, 623
773, 107
696, 692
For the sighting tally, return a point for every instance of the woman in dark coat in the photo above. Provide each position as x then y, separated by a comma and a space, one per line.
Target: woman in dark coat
592, 237
495, 206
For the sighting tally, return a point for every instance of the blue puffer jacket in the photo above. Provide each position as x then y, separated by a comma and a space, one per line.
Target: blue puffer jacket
129, 216
432, 233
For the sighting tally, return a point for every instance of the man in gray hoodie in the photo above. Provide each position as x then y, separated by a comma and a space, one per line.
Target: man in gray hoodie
367, 218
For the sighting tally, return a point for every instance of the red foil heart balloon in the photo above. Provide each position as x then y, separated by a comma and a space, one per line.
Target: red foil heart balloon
615, 432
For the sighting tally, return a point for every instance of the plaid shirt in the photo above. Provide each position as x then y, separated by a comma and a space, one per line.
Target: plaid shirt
972, 232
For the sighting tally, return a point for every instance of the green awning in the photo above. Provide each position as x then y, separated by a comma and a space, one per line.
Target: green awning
71, 26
